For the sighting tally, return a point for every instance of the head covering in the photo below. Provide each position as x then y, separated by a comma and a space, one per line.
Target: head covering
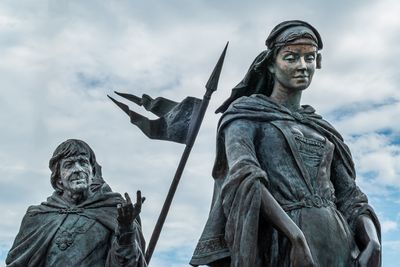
287, 31
258, 80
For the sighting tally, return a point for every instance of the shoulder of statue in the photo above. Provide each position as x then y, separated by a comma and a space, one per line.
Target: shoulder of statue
254, 99
34, 210
104, 193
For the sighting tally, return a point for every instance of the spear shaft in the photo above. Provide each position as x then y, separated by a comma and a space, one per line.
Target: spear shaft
211, 86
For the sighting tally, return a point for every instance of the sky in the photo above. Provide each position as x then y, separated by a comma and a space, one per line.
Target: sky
60, 59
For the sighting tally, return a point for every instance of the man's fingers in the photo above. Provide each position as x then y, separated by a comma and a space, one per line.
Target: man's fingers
127, 210
120, 210
128, 199
138, 196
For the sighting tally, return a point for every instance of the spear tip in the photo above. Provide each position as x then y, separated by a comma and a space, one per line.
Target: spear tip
212, 83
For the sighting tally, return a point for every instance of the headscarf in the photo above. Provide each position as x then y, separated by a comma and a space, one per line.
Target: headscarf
258, 79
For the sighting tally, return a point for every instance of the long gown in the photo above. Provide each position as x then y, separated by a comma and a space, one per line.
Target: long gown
303, 162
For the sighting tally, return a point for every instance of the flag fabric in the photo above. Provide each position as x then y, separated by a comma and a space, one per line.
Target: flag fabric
174, 120
178, 122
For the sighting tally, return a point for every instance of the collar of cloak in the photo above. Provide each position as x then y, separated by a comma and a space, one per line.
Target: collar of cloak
260, 108
100, 206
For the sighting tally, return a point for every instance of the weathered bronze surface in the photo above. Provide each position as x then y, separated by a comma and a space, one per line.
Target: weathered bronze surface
83, 223
285, 192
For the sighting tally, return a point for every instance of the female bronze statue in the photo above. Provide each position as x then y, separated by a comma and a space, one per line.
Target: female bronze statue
285, 192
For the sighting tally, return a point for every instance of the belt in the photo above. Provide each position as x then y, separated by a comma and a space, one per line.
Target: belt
309, 202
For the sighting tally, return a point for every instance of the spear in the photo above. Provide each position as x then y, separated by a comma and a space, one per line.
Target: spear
211, 87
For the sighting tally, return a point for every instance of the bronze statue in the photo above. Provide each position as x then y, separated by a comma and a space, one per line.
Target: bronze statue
83, 223
285, 191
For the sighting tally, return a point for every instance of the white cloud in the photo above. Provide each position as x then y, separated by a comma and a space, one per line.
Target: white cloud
388, 226
60, 58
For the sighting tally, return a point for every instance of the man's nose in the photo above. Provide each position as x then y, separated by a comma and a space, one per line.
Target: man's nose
77, 167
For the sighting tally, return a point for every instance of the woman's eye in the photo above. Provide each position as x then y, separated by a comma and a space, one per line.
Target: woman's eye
310, 58
290, 58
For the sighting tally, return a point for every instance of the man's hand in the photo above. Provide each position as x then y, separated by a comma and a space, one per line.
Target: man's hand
127, 212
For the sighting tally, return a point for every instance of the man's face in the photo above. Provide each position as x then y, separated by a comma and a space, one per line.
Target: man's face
76, 174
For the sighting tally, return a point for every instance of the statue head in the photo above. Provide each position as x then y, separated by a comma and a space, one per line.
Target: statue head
73, 166
295, 55
259, 78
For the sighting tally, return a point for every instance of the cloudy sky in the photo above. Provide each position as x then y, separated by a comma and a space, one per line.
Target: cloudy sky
59, 60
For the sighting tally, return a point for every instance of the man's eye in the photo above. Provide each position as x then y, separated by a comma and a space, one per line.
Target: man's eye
67, 165
83, 162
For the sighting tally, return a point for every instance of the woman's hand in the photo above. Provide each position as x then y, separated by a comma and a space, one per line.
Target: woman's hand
300, 254
370, 256
367, 237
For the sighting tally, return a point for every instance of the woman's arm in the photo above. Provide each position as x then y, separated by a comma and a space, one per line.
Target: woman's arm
300, 254
241, 155
367, 237
353, 204
273, 213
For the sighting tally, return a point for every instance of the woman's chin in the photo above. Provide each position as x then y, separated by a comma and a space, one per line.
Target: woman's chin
298, 87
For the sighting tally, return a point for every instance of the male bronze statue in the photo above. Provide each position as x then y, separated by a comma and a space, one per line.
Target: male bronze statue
83, 223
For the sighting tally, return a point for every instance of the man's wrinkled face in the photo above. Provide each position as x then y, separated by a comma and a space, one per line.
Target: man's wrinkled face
76, 174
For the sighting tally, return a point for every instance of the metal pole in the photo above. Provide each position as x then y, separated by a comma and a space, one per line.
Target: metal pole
211, 86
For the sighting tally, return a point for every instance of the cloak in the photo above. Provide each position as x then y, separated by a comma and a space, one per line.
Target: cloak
41, 223
234, 215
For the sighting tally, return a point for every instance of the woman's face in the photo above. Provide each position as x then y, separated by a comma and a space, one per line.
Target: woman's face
294, 65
